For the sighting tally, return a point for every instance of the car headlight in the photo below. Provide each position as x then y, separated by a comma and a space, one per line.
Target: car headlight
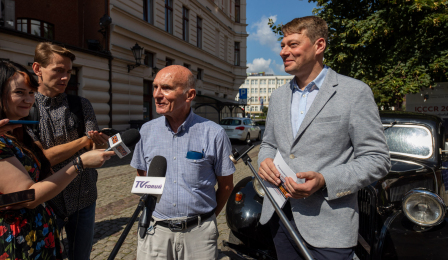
257, 187
423, 207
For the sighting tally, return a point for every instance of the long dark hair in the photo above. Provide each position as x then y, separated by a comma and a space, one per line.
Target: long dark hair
20, 137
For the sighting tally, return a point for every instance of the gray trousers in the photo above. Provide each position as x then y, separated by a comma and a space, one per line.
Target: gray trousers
197, 242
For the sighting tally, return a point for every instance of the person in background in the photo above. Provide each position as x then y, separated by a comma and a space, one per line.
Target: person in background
28, 230
197, 151
61, 140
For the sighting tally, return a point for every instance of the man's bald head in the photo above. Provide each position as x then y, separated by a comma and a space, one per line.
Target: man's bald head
181, 76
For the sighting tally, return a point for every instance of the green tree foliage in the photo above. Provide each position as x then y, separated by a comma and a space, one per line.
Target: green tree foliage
265, 110
396, 47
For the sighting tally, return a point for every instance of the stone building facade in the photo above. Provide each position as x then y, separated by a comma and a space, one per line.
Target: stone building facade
207, 36
261, 87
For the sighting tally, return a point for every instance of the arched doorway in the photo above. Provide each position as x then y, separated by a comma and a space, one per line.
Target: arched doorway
209, 112
215, 108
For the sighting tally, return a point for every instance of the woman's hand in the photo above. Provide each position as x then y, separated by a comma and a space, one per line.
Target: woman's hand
96, 158
4, 127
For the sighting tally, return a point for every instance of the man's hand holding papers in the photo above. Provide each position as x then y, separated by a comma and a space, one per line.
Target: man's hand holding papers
281, 181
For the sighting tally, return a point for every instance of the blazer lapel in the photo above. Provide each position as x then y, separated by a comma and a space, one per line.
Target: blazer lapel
326, 91
286, 114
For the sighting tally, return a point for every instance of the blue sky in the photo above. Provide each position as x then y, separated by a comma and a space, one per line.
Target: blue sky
262, 46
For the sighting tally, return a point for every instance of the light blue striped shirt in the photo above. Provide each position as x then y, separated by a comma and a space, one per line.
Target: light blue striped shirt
190, 184
301, 100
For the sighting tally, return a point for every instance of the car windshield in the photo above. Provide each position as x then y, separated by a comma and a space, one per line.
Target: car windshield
409, 140
230, 122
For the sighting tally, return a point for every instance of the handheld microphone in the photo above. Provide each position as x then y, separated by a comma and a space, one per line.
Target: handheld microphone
152, 187
119, 143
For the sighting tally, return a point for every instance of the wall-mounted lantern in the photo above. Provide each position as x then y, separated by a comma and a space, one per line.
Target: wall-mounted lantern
137, 51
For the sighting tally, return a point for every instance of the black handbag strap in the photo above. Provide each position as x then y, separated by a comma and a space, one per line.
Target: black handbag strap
75, 107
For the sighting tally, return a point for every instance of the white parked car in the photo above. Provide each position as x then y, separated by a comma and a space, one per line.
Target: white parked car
241, 128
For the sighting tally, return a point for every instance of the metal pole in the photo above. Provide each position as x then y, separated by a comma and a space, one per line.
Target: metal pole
302, 247
125, 233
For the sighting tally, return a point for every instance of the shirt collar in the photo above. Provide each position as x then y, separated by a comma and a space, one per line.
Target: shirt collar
48, 101
316, 84
184, 125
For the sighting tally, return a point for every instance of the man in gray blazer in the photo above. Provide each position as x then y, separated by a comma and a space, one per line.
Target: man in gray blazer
327, 129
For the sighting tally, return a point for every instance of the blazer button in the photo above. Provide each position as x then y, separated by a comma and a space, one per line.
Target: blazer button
292, 156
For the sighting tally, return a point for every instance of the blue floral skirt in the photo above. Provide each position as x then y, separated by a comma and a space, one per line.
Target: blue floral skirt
29, 234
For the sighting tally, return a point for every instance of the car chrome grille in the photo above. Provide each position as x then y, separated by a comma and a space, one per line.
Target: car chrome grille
367, 222
397, 193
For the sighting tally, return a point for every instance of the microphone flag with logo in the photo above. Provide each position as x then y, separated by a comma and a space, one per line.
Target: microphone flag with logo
120, 143
152, 187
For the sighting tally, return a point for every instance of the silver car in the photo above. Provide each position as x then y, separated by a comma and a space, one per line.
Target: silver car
241, 128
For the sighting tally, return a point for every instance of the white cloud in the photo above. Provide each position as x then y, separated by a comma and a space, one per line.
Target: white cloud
264, 34
278, 67
260, 65
268, 66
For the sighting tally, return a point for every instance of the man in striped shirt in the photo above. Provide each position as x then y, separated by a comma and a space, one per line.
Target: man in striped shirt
184, 221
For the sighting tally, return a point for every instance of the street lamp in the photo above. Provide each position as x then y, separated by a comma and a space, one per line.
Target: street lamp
155, 70
137, 51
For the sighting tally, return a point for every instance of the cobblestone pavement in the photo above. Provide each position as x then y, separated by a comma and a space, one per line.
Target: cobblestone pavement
116, 205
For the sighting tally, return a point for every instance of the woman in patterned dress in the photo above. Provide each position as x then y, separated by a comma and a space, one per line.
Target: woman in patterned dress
28, 230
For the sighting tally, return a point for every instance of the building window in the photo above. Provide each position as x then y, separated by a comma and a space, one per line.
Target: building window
169, 16
199, 32
200, 74
148, 11
237, 54
169, 62
187, 66
237, 11
185, 24
253, 81
149, 59
36, 27
247, 81
147, 100
72, 85
256, 90
262, 81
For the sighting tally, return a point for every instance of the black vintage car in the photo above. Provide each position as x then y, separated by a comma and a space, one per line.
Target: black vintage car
402, 216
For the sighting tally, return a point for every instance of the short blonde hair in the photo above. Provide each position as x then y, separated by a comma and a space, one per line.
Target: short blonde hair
315, 27
44, 53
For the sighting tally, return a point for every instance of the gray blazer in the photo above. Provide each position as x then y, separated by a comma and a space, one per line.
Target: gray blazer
342, 138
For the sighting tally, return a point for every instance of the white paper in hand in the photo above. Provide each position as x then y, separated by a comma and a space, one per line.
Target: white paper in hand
279, 192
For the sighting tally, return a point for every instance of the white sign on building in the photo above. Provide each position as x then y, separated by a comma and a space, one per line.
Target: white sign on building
431, 101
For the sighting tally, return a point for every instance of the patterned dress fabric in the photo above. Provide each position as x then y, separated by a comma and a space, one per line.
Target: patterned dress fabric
27, 233
57, 126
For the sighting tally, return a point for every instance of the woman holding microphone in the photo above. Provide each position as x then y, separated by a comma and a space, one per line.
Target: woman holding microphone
28, 230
